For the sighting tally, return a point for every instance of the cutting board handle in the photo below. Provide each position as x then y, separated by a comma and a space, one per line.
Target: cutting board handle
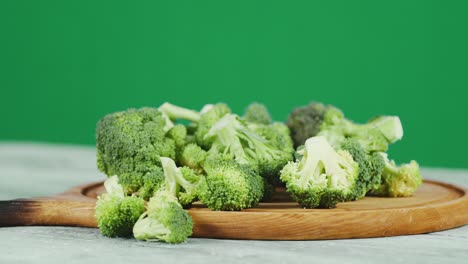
47, 211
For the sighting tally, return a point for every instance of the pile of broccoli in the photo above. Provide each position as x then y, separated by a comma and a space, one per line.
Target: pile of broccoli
162, 160
338, 160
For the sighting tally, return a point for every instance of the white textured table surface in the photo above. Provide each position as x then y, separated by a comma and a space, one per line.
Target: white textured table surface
31, 170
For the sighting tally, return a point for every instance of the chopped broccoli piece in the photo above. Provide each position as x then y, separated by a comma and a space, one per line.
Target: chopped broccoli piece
257, 113
209, 116
370, 168
145, 186
323, 177
180, 182
193, 157
398, 181
390, 126
116, 213
328, 121
179, 134
130, 143
229, 186
165, 220
276, 134
231, 137
305, 122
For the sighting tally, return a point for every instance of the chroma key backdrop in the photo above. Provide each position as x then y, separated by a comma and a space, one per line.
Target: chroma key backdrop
65, 64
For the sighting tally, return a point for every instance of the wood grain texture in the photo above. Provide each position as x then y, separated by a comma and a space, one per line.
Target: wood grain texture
435, 206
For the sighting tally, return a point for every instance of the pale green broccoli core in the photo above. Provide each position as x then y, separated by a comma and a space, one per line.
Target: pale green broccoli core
389, 126
322, 166
177, 112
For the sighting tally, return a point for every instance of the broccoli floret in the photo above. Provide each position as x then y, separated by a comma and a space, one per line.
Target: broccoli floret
145, 186
165, 220
193, 157
116, 213
209, 116
370, 168
305, 122
130, 143
257, 113
179, 134
229, 186
231, 137
328, 121
323, 177
183, 183
398, 181
278, 136
152, 182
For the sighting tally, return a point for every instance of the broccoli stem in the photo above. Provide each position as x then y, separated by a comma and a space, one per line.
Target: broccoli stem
390, 126
174, 175
170, 172
177, 112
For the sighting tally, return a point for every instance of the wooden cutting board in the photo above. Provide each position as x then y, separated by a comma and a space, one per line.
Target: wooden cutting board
435, 206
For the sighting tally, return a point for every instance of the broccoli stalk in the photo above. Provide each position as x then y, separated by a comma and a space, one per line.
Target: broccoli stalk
115, 212
177, 112
390, 126
323, 177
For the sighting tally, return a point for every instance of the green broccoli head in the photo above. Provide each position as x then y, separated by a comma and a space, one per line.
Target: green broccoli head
306, 121
230, 186
398, 181
231, 137
152, 182
131, 142
179, 134
370, 168
165, 220
116, 213
323, 177
257, 113
145, 186
193, 157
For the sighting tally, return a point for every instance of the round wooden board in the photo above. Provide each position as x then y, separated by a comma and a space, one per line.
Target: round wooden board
435, 206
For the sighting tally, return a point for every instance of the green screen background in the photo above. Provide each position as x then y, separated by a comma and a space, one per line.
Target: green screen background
64, 64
